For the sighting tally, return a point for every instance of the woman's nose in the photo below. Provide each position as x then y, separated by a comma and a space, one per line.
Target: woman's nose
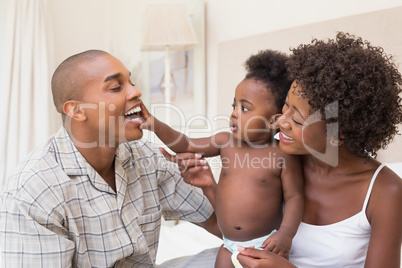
283, 122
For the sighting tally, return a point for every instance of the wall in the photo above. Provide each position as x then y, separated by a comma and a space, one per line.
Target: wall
381, 28
232, 19
115, 26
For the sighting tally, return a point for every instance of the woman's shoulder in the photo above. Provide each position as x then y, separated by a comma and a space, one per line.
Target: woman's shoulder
388, 182
386, 195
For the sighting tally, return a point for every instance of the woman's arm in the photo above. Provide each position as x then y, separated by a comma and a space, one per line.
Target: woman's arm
255, 258
385, 216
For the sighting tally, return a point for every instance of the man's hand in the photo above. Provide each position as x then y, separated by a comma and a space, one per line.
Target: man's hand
193, 167
195, 171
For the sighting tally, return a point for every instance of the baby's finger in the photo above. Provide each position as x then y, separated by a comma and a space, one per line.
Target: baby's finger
275, 250
270, 246
168, 156
191, 163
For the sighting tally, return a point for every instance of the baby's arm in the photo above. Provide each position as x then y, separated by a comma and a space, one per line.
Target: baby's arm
179, 142
293, 192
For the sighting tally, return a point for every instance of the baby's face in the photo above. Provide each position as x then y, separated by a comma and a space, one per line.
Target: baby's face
253, 108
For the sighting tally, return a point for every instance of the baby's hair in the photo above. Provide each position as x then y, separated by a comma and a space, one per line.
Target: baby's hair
361, 79
269, 67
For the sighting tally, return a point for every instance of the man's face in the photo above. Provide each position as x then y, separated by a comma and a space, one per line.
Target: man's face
111, 102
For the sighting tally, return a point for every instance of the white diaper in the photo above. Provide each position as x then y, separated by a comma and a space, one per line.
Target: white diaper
232, 246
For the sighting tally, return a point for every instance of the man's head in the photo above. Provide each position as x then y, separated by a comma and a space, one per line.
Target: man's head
68, 79
93, 92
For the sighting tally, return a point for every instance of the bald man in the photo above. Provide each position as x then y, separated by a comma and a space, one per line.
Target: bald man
93, 195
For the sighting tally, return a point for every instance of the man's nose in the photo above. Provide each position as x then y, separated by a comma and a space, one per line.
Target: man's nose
133, 93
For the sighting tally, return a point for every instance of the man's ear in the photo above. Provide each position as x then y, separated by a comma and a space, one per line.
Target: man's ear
73, 109
273, 121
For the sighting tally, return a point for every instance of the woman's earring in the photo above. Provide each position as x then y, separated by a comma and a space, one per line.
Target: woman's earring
335, 142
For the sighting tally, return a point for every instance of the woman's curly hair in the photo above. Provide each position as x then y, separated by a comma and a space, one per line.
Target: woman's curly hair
269, 66
364, 82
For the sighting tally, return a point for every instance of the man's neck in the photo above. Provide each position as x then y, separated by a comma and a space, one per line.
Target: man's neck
101, 158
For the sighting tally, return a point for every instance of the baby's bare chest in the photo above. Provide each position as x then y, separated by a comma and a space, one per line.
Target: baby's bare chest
255, 158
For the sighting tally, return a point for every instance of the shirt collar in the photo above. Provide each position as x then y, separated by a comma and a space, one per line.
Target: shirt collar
74, 164
67, 155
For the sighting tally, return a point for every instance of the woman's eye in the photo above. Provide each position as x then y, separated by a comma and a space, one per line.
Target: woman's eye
244, 109
233, 106
297, 122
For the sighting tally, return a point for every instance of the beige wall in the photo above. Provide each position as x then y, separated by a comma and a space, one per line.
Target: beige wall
380, 28
115, 26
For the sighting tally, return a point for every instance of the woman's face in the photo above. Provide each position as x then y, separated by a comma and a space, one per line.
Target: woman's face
301, 132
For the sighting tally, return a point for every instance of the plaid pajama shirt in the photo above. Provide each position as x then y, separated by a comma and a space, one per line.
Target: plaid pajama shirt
58, 212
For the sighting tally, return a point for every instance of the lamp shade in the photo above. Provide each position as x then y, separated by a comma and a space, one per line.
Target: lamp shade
168, 26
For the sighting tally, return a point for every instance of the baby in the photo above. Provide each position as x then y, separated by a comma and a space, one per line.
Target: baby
257, 178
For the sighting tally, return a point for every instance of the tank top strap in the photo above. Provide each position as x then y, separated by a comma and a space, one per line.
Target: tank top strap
371, 187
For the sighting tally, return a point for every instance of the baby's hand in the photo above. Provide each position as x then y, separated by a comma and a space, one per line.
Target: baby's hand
148, 119
278, 243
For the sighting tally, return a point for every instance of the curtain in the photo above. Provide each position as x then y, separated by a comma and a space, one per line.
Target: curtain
25, 110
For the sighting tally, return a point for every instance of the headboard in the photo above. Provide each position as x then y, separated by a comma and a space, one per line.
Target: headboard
381, 28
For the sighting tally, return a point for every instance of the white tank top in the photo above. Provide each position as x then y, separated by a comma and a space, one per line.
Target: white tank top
341, 244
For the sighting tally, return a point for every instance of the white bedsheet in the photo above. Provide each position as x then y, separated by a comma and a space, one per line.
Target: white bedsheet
183, 239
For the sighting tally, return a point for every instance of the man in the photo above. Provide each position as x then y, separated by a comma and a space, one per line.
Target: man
94, 194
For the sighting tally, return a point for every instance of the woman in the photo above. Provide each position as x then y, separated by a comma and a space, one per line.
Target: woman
342, 107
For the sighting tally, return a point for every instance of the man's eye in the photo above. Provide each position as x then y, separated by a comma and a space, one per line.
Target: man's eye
116, 88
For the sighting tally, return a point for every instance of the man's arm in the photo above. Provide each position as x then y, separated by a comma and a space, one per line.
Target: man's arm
195, 171
30, 236
211, 225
